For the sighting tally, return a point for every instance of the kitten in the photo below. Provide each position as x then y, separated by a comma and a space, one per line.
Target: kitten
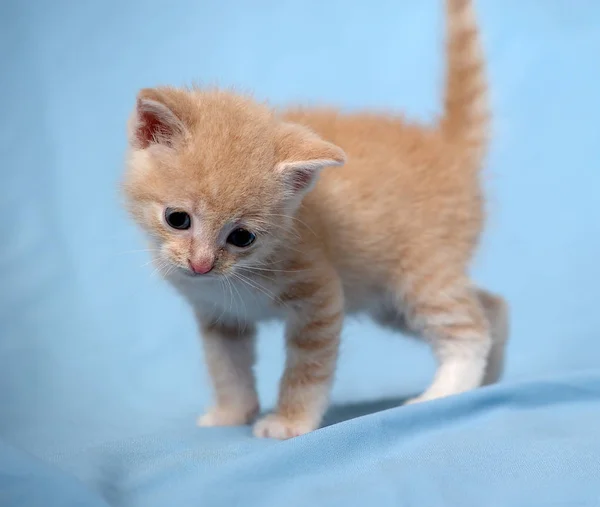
252, 220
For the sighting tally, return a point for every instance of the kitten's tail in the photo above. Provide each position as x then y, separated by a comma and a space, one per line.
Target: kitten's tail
466, 113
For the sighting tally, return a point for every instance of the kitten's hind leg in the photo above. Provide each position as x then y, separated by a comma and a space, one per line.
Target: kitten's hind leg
497, 313
446, 311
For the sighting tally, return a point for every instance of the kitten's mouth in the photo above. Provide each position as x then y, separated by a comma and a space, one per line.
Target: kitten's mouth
188, 273
192, 274
198, 269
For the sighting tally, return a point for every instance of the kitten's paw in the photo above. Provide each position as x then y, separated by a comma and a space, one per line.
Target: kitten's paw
421, 399
227, 416
281, 428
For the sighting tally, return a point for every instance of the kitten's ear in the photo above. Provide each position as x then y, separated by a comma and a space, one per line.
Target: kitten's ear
301, 155
154, 122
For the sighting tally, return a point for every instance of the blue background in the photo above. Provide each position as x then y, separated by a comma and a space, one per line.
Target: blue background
101, 374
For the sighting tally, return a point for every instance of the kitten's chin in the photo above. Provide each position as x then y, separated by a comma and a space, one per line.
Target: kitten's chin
199, 276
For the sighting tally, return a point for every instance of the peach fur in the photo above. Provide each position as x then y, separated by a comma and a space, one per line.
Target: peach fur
390, 234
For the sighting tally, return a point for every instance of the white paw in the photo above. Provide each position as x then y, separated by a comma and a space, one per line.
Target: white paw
281, 428
422, 398
227, 416
413, 401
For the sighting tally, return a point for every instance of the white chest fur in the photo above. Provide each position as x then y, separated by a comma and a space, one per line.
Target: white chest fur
248, 300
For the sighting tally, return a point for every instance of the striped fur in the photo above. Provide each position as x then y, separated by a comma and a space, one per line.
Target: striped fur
466, 110
391, 234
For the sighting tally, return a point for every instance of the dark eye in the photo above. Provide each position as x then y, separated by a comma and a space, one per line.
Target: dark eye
241, 238
177, 219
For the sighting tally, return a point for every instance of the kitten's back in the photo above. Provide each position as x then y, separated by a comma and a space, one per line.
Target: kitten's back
405, 185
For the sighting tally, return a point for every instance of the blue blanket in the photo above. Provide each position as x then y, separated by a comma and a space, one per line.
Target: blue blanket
100, 371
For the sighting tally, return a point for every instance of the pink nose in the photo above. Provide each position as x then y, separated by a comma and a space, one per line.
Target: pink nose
201, 266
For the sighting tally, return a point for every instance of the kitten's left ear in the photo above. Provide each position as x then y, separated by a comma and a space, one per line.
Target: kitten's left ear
302, 154
155, 120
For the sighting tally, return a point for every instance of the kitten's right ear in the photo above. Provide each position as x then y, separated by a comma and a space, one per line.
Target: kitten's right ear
154, 122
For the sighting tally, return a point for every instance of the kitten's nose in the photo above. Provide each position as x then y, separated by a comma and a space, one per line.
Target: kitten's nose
201, 266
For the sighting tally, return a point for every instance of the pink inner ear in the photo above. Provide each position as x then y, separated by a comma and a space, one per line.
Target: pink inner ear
301, 178
151, 129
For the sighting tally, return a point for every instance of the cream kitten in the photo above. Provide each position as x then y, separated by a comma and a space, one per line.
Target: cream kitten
227, 191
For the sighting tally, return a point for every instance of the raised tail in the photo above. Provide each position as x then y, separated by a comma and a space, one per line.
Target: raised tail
466, 112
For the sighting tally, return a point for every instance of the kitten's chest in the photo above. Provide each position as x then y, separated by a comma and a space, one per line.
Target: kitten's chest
241, 300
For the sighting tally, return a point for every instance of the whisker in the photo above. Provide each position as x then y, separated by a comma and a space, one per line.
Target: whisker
161, 267
287, 247
244, 303
258, 287
254, 268
223, 311
228, 292
292, 218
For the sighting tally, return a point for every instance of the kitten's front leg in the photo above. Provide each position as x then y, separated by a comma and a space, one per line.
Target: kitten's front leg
230, 355
312, 343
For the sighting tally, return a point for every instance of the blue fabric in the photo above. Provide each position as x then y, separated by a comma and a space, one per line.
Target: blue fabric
27, 481
100, 371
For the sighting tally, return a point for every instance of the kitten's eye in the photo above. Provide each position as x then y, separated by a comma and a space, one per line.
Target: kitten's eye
241, 238
177, 219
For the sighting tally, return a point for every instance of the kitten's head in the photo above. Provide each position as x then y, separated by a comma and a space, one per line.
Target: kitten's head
215, 178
